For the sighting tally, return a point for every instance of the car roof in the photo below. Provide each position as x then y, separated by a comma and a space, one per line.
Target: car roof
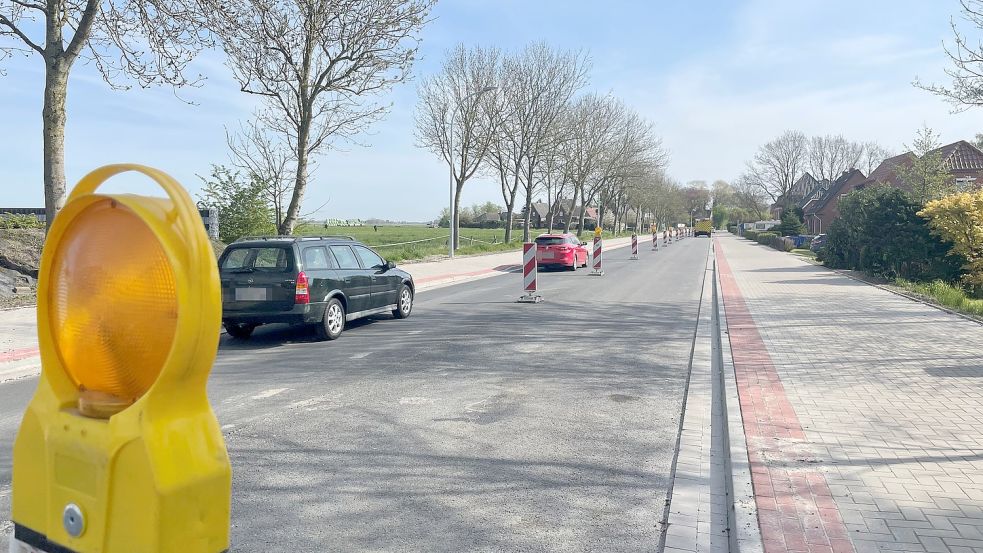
554, 235
252, 241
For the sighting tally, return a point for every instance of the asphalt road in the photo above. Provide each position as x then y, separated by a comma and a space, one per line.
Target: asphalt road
477, 424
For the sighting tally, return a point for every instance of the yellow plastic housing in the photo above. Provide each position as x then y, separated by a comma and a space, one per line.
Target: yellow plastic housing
129, 309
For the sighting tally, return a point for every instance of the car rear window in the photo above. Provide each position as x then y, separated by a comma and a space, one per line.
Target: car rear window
550, 240
262, 259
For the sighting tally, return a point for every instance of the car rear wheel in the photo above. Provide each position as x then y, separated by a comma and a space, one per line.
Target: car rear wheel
333, 322
404, 302
573, 264
241, 331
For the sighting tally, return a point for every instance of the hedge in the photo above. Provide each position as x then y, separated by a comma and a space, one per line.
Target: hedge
765, 237
751, 234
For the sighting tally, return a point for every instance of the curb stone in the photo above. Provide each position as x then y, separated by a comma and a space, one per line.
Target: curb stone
745, 535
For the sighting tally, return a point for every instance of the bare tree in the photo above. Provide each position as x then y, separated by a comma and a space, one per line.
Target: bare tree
590, 127
749, 196
777, 164
536, 85
629, 150
872, 156
966, 90
830, 156
553, 180
259, 152
148, 42
723, 193
458, 93
316, 63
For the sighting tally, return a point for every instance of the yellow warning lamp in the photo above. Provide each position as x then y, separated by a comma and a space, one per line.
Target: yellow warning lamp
597, 232
119, 450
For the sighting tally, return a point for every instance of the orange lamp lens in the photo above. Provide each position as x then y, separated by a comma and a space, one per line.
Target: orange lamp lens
112, 302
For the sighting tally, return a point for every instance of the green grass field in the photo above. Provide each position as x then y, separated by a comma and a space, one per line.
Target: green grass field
391, 240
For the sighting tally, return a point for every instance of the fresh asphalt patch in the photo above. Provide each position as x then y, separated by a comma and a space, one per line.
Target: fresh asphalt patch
476, 424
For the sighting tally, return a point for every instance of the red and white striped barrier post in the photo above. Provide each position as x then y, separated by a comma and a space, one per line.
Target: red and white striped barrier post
655, 241
530, 270
634, 246
597, 257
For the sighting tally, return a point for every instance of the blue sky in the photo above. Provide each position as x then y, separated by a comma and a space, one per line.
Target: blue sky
717, 79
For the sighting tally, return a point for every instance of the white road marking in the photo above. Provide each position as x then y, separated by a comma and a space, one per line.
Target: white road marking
228, 426
361, 355
269, 393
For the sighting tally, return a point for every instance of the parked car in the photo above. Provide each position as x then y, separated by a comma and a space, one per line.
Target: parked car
561, 250
325, 281
817, 243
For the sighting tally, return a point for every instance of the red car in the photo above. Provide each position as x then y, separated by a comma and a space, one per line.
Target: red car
561, 250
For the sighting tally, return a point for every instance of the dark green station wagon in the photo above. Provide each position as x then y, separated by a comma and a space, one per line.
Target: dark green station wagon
318, 280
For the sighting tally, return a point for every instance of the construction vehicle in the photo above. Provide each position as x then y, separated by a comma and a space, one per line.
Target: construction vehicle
703, 227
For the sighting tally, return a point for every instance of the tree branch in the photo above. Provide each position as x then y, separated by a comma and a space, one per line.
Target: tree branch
9, 24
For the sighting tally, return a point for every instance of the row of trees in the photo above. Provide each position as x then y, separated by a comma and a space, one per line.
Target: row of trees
470, 216
779, 163
319, 67
524, 119
737, 203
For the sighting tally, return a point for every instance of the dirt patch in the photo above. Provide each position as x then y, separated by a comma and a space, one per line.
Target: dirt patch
20, 257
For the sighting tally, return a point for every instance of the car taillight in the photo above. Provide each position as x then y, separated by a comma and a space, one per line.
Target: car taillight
302, 295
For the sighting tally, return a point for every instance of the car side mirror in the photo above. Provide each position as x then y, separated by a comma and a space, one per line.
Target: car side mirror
583, 243
390, 265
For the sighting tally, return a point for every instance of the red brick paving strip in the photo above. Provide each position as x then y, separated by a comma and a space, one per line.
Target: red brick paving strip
18, 354
796, 510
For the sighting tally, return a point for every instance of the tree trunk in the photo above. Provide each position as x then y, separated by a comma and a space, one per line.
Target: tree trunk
53, 117
525, 224
510, 214
458, 186
509, 201
300, 181
566, 228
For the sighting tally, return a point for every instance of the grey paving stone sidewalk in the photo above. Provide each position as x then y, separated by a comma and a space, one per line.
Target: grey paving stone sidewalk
888, 392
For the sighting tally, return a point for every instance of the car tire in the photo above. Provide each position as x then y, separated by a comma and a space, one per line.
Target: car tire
404, 302
240, 331
333, 321
585, 262
573, 264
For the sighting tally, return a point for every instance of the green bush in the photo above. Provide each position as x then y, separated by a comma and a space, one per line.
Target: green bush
880, 233
12, 221
765, 237
732, 229
751, 234
242, 209
791, 225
